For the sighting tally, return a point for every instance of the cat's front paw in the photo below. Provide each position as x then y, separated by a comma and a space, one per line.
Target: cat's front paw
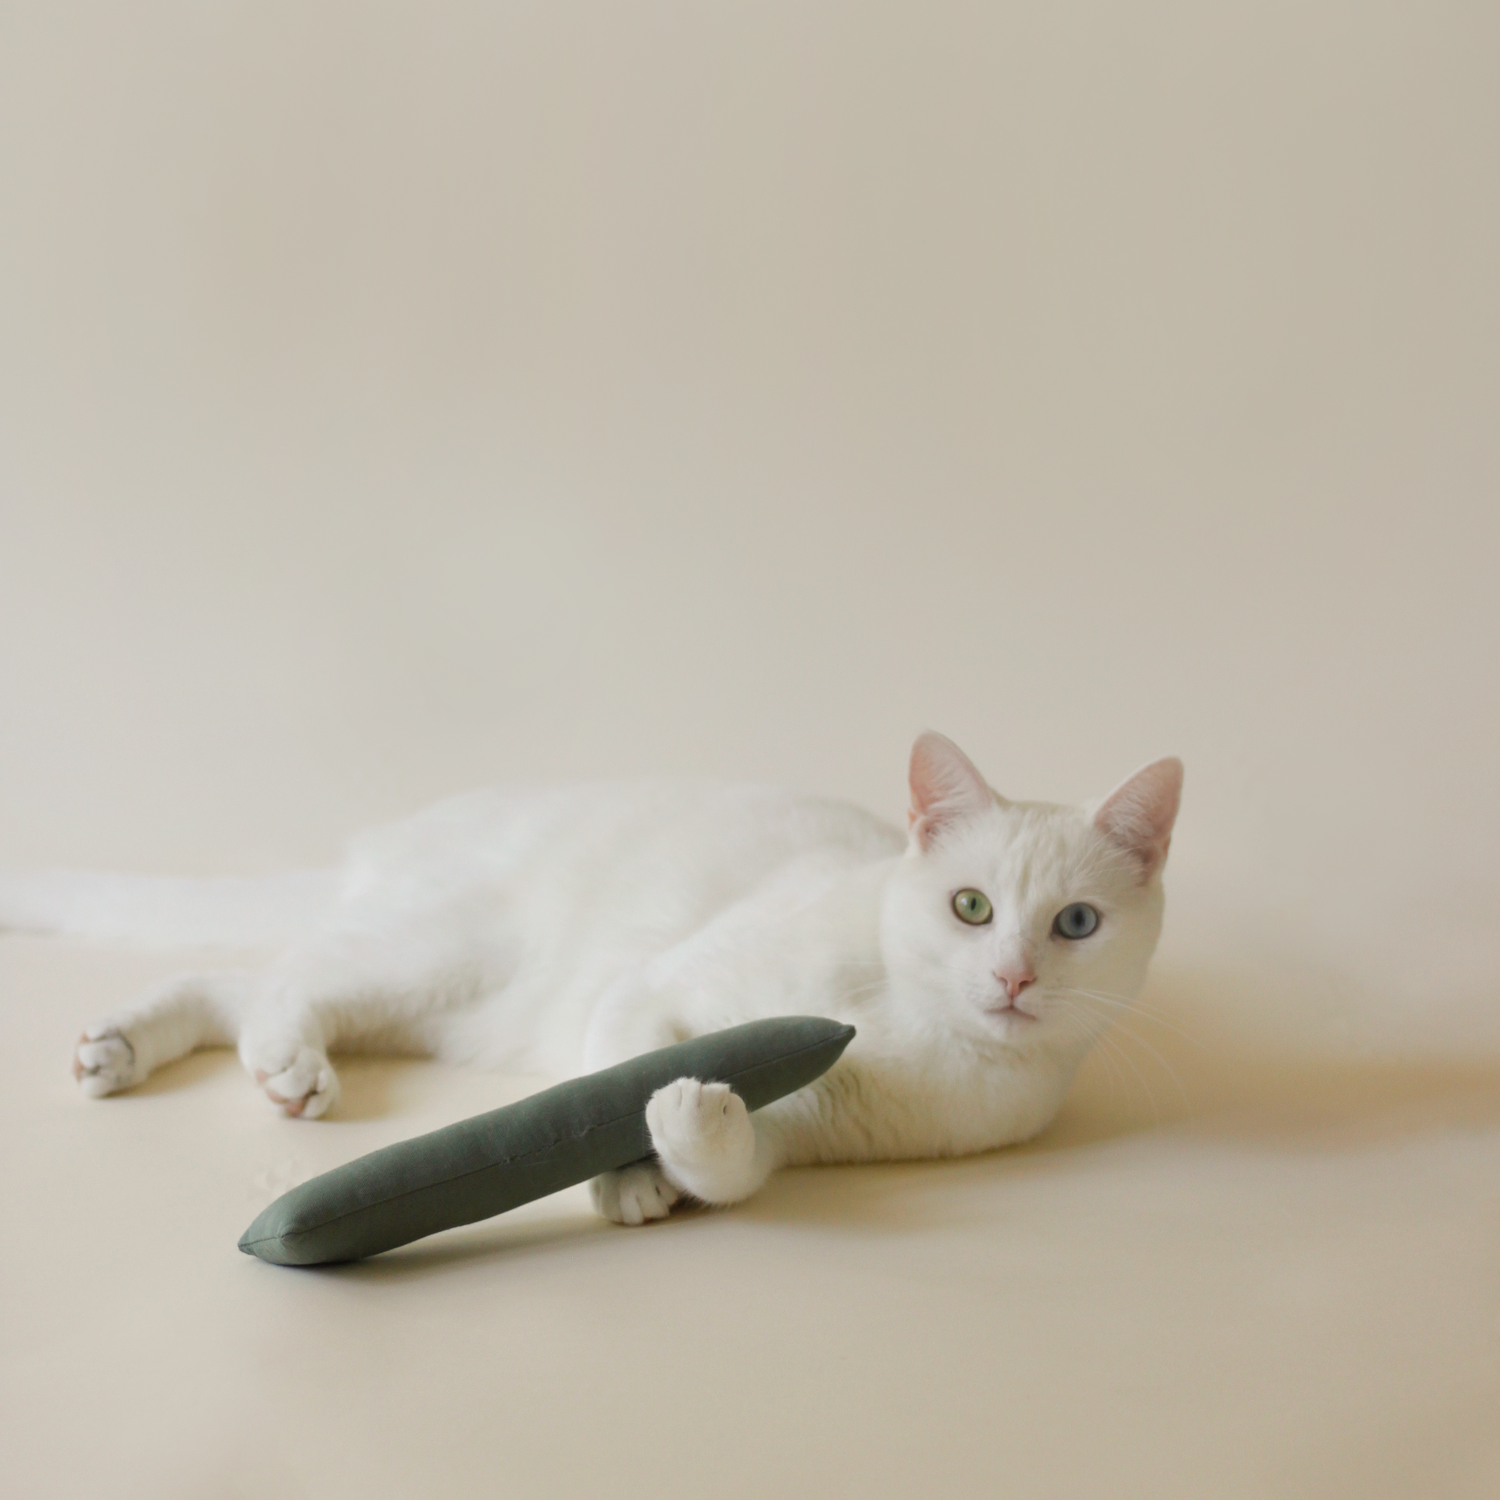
634, 1194
704, 1138
104, 1061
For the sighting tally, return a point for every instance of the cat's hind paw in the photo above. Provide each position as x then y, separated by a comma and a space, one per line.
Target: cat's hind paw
104, 1062
306, 1088
633, 1195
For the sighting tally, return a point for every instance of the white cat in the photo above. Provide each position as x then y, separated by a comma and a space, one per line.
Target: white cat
556, 931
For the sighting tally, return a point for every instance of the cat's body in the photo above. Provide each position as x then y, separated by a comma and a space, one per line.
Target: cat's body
562, 931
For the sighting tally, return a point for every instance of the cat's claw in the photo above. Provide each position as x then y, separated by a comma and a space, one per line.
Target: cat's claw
307, 1088
104, 1062
633, 1195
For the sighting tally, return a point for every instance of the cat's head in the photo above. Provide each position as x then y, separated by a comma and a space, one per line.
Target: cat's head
1024, 923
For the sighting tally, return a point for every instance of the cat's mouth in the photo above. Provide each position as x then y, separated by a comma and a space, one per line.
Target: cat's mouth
1009, 1011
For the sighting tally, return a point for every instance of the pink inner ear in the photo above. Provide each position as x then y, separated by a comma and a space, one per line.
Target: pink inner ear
945, 786
1140, 812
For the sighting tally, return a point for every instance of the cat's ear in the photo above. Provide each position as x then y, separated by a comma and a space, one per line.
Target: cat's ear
1138, 815
945, 786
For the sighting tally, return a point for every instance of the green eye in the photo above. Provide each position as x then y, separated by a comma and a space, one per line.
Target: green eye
973, 907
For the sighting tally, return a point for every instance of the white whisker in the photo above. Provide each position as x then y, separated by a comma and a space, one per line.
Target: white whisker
1167, 1067
1128, 1005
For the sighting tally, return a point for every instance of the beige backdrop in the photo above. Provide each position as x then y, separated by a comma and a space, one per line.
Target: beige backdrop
400, 398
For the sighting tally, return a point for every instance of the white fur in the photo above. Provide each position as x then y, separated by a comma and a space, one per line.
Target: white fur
561, 931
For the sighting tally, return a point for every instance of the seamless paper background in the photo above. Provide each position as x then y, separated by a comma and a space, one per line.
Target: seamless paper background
399, 399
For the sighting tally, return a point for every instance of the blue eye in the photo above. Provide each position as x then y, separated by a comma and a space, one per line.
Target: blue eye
1076, 921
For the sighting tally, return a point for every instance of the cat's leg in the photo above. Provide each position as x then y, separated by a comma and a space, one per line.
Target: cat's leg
707, 1147
283, 1042
382, 985
625, 1024
179, 1016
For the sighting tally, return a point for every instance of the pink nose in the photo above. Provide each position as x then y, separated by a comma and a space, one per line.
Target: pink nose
1015, 980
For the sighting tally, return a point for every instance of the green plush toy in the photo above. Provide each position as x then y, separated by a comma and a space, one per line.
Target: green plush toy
539, 1145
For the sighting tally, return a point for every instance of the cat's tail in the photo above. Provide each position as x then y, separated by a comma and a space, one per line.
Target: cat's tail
164, 913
